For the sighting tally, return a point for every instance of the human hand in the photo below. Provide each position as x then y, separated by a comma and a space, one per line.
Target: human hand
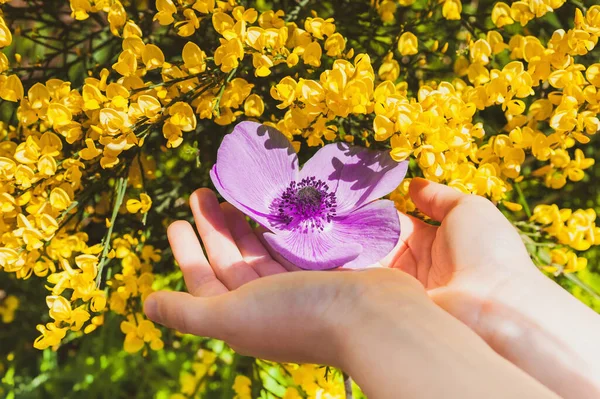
464, 261
241, 295
477, 268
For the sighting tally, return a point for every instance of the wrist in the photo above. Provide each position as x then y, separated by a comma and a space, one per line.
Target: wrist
472, 298
533, 322
377, 351
388, 300
402, 335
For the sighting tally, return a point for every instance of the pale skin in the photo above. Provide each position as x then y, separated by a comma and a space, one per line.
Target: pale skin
455, 311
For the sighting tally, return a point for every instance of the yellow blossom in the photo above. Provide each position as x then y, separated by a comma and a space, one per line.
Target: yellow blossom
166, 9
254, 106
501, 15
153, 57
193, 58
8, 307
11, 88
142, 205
408, 44
451, 9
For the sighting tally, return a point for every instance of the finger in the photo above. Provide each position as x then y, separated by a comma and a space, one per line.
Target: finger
186, 313
223, 254
253, 252
408, 224
416, 238
199, 277
414, 231
290, 267
433, 199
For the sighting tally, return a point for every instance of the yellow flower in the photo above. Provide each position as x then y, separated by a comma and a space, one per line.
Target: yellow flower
335, 45
142, 205
126, 65
38, 96
8, 306
389, 69
271, 19
11, 88
117, 16
478, 73
262, 64
51, 336
319, 28
511, 206
312, 54
182, 116
5, 35
592, 74
60, 199
204, 6
139, 333
292, 393
80, 9
188, 27
383, 127
242, 387
451, 9
47, 166
284, 91
148, 106
229, 54
521, 11
223, 23
387, 10
8, 257
4, 64
480, 51
153, 57
194, 59
166, 9
501, 15
408, 44
401, 148
131, 30
254, 106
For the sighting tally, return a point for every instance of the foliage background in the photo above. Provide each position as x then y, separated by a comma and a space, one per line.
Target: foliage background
47, 43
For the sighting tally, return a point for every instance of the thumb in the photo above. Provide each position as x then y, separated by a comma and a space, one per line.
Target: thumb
433, 199
188, 314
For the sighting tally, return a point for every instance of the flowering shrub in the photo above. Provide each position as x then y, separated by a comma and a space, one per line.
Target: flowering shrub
112, 112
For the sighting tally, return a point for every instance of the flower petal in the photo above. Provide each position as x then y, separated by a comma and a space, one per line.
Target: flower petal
327, 163
314, 249
255, 163
358, 175
357, 240
375, 226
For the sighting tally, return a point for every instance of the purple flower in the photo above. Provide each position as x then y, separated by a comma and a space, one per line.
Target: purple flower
322, 216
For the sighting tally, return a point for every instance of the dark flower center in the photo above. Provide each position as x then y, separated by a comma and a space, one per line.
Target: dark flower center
307, 204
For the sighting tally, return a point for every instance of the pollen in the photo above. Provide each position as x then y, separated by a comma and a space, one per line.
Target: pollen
307, 204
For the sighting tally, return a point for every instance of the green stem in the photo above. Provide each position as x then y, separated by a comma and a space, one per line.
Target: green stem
222, 90
120, 190
582, 285
522, 200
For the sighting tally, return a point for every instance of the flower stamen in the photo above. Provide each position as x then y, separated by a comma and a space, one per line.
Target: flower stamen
307, 204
